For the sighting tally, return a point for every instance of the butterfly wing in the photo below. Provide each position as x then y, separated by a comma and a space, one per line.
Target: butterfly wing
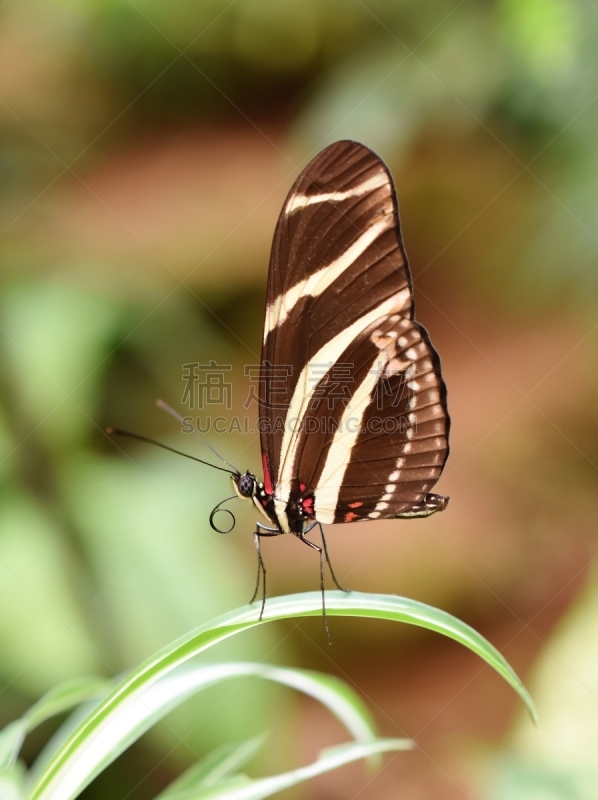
338, 284
381, 451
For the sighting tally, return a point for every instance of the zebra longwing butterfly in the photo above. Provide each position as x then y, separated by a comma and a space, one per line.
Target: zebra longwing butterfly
353, 418
358, 429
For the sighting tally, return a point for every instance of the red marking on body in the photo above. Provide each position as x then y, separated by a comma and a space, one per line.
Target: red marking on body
355, 505
267, 478
264, 502
350, 516
308, 505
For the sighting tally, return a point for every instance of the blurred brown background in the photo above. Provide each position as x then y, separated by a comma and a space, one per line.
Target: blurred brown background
145, 151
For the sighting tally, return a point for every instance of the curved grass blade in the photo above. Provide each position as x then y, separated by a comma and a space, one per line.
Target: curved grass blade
11, 741
63, 697
332, 692
221, 763
60, 698
138, 712
240, 787
76, 762
12, 783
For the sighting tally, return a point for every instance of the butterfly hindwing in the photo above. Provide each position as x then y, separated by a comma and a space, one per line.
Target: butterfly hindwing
392, 438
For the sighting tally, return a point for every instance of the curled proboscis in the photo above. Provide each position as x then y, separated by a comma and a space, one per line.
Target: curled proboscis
219, 508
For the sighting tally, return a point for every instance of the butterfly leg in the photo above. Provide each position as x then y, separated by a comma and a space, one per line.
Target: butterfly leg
321, 552
328, 561
260, 566
262, 530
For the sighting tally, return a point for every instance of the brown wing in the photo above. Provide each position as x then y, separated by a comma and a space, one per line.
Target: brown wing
337, 265
378, 453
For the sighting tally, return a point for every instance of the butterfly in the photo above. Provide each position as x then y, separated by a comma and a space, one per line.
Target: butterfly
353, 414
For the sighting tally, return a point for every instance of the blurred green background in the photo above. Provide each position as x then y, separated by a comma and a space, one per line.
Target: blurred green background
145, 151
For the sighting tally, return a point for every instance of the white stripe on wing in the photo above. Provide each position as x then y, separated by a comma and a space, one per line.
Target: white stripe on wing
319, 281
304, 391
298, 201
330, 483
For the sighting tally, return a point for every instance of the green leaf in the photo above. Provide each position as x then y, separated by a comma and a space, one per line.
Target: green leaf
332, 692
92, 745
60, 698
213, 768
63, 697
141, 711
11, 739
12, 782
239, 787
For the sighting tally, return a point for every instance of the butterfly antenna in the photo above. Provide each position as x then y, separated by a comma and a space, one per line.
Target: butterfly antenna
218, 509
119, 432
165, 407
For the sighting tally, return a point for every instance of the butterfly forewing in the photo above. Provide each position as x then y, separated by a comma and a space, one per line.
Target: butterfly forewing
340, 302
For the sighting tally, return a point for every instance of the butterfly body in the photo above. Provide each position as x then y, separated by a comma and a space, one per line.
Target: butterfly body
288, 516
298, 511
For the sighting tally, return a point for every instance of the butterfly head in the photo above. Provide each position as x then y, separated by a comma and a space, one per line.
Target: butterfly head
245, 485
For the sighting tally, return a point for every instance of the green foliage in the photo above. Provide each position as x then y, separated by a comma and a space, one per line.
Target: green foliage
120, 715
